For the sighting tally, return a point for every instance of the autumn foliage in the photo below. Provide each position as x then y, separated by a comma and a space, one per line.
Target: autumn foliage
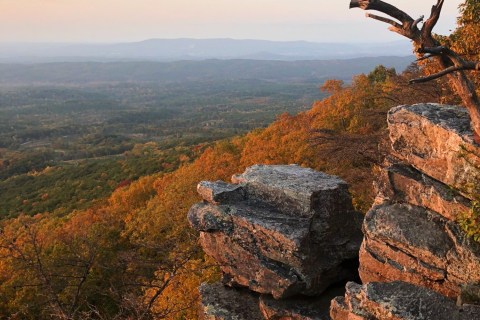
134, 256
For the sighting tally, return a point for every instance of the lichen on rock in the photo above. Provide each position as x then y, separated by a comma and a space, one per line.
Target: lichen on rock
280, 230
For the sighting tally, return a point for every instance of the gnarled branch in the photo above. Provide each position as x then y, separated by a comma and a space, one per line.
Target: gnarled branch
450, 62
383, 19
466, 66
432, 21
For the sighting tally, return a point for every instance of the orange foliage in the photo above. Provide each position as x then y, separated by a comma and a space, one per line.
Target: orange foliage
145, 258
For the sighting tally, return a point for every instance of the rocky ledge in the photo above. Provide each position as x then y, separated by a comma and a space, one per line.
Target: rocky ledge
402, 183
397, 301
410, 243
284, 232
437, 140
411, 234
280, 230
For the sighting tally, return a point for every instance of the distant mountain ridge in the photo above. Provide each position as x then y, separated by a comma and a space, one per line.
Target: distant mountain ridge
314, 71
197, 49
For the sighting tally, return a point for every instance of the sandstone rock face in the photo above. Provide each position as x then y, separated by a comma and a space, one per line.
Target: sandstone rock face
437, 140
409, 243
397, 301
292, 231
221, 303
411, 233
399, 182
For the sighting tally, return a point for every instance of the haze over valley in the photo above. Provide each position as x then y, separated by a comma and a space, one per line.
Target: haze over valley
198, 49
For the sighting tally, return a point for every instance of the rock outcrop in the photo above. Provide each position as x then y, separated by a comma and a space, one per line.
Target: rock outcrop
397, 301
284, 232
411, 233
437, 140
409, 243
415, 258
280, 230
403, 183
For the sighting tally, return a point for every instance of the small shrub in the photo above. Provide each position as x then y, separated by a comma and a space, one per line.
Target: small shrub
470, 221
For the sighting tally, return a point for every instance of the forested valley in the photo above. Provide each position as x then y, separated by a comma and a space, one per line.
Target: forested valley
70, 133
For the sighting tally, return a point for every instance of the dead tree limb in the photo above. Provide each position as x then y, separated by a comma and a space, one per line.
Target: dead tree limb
426, 46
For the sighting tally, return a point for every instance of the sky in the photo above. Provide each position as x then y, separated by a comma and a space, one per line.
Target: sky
135, 20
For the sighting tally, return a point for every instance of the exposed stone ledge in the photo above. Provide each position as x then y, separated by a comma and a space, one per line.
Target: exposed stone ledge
219, 191
289, 231
412, 244
402, 183
437, 140
294, 190
397, 301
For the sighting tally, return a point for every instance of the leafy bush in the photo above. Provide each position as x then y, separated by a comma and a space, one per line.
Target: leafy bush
470, 221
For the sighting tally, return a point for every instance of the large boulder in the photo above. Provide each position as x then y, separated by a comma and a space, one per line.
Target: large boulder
412, 244
437, 140
397, 301
280, 230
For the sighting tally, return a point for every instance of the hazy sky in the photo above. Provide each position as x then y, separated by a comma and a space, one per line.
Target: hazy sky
133, 20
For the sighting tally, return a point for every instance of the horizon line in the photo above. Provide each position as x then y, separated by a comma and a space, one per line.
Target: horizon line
190, 38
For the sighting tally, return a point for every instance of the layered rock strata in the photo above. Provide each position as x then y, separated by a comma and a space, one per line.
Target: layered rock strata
280, 230
410, 243
399, 182
411, 233
438, 141
285, 232
397, 301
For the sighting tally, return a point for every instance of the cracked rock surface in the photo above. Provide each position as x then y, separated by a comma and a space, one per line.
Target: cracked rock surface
279, 230
409, 243
397, 301
437, 140
415, 258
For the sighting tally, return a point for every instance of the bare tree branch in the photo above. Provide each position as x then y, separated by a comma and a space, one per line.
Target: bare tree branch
382, 7
432, 21
449, 61
416, 22
383, 19
468, 66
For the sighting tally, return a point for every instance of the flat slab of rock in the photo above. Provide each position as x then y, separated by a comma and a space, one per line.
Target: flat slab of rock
302, 308
399, 182
415, 245
219, 191
220, 303
437, 140
295, 190
397, 301
293, 231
